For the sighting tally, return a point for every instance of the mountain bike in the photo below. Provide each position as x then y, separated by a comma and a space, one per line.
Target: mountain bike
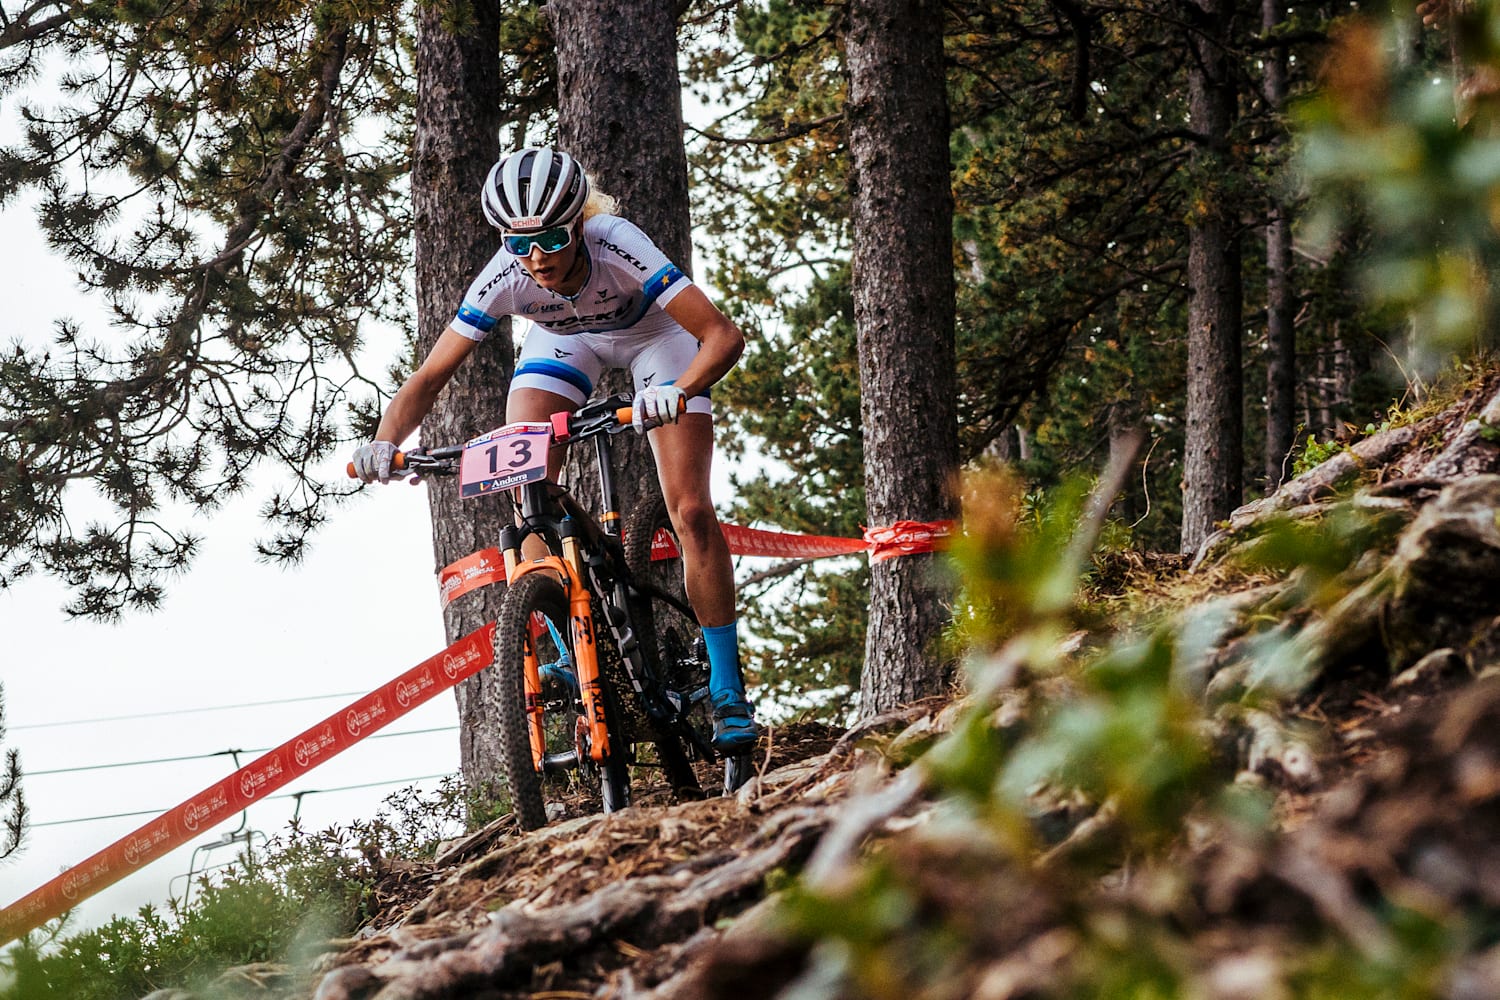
602, 665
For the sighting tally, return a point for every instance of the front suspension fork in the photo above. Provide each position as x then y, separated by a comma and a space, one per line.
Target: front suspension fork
581, 625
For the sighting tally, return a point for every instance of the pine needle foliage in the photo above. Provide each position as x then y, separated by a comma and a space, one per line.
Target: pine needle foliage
226, 181
12, 795
1408, 145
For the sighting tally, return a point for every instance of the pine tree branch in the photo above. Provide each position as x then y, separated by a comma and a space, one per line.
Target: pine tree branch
776, 572
791, 132
22, 29
240, 235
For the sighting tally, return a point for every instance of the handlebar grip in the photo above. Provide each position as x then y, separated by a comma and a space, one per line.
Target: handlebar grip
625, 415
398, 464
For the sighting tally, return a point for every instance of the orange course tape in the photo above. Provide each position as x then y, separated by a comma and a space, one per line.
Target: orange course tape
250, 783
904, 538
786, 545
907, 538
479, 569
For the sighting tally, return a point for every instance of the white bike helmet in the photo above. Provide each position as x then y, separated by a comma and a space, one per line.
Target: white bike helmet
534, 189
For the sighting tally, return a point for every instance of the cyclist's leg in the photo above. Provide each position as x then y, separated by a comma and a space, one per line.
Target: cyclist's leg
684, 454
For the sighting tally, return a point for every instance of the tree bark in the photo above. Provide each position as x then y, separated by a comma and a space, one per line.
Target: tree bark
1281, 351
620, 114
1212, 464
904, 309
1281, 336
458, 117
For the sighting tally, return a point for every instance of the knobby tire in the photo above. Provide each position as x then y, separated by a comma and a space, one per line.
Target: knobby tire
530, 791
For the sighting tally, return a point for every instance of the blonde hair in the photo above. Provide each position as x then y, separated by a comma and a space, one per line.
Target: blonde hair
599, 203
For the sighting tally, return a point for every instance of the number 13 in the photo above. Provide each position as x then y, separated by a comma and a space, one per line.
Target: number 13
521, 455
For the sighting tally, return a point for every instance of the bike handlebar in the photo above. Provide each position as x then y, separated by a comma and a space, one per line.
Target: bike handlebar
437, 462
398, 464
606, 416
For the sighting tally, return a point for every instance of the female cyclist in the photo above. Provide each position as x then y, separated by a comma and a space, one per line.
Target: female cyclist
600, 295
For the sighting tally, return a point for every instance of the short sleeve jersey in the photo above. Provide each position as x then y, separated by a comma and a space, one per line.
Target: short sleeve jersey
629, 283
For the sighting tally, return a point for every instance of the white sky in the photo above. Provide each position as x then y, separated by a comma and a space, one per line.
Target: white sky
360, 610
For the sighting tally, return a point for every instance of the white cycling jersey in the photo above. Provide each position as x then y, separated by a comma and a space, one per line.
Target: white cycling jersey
616, 320
629, 281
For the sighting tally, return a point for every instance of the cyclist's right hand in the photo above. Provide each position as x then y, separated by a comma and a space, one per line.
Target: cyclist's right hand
656, 405
373, 461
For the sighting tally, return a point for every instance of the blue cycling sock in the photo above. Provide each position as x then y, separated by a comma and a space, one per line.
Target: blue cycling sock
724, 658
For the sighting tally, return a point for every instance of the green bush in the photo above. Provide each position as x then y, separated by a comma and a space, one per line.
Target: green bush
280, 904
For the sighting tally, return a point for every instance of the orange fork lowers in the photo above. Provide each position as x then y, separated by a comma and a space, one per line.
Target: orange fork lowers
585, 660
533, 680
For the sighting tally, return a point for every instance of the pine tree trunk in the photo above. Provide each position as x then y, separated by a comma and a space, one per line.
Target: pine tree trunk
620, 114
1214, 451
1281, 336
458, 117
1325, 384
904, 310
1356, 362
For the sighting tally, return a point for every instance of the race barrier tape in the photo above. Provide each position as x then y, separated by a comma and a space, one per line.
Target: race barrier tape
479, 569
907, 538
251, 783
904, 538
785, 545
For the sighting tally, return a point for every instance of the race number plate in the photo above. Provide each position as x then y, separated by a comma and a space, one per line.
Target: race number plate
504, 458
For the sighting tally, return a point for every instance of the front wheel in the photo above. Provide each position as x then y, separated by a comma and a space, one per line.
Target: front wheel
544, 734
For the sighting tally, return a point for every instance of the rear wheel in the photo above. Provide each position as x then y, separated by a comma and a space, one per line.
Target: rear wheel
534, 618
671, 638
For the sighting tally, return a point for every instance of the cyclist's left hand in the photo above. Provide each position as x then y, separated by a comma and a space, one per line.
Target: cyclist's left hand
656, 405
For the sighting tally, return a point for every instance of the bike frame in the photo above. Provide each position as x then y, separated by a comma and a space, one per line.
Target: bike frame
581, 547
539, 503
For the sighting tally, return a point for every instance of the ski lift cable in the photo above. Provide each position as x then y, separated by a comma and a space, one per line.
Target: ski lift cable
286, 795
183, 711
216, 753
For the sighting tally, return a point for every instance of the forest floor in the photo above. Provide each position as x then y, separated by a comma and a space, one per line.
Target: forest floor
1400, 801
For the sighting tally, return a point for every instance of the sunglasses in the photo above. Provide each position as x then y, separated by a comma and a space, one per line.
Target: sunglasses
550, 240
